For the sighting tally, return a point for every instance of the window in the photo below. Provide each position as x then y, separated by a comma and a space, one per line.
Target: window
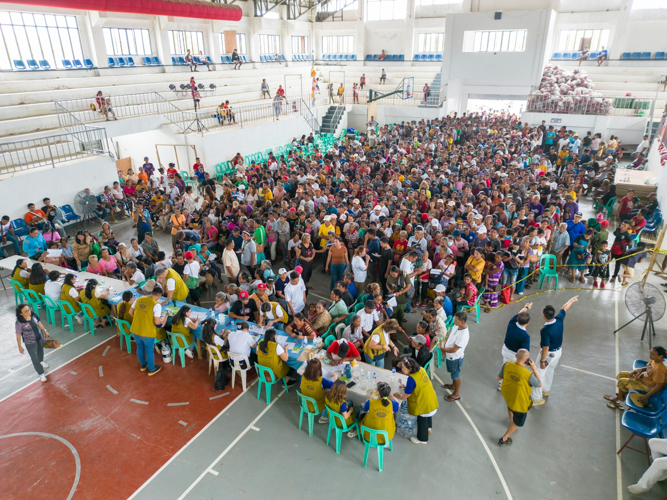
386, 10
299, 44
240, 44
181, 41
336, 5
431, 43
582, 40
127, 42
649, 4
269, 44
438, 2
337, 44
494, 41
38, 36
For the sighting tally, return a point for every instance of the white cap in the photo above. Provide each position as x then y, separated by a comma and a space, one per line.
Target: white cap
377, 207
440, 289
282, 270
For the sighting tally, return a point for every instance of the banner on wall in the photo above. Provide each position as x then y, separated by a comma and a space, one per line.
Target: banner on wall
408, 87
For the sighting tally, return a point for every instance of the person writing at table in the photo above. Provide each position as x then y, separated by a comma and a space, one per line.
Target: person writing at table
37, 278
379, 343
241, 342
244, 308
181, 323
313, 385
341, 350
272, 315
336, 399
300, 328
99, 304
422, 400
147, 321
271, 355
124, 307
170, 281
378, 414
21, 272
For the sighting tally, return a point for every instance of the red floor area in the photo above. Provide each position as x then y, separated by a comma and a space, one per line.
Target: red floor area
120, 443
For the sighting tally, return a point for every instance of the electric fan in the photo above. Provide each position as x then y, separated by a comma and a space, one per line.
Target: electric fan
85, 204
644, 299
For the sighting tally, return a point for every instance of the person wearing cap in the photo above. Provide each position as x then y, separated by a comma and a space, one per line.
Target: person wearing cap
244, 309
147, 323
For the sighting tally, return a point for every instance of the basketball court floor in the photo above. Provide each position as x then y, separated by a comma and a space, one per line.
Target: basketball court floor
101, 429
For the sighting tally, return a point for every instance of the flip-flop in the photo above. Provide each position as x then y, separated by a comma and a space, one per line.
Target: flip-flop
448, 386
609, 398
615, 405
451, 399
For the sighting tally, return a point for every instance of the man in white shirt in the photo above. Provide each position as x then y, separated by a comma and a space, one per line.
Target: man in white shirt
240, 342
418, 242
133, 275
295, 294
230, 261
369, 317
642, 147
53, 287
564, 143
191, 270
453, 350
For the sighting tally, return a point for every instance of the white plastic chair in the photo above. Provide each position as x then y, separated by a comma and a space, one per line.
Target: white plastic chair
235, 360
215, 357
339, 330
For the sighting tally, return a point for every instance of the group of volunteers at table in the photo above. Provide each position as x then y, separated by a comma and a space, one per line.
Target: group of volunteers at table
442, 207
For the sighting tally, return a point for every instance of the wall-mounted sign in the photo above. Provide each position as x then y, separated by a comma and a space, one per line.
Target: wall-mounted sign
556, 120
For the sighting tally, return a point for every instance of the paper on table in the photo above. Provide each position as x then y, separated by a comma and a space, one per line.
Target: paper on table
197, 315
54, 253
392, 302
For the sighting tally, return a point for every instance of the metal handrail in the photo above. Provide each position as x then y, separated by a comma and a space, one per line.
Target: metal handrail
588, 105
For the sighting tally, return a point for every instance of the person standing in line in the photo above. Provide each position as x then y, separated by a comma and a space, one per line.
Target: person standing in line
277, 101
516, 337
453, 350
31, 330
517, 378
551, 343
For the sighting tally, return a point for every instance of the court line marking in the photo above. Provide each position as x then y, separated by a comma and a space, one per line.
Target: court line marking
255, 428
214, 472
73, 373
589, 373
100, 369
178, 404
175, 455
182, 423
105, 351
219, 395
619, 471
112, 389
231, 445
77, 459
57, 368
45, 355
486, 447
139, 402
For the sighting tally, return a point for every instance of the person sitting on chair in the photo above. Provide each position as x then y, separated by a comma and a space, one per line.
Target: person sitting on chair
650, 380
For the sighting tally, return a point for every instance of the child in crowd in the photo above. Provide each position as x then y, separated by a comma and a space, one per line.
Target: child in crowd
601, 261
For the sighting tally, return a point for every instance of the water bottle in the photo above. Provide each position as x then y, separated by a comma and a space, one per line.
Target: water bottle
362, 374
393, 374
348, 371
375, 378
210, 312
368, 380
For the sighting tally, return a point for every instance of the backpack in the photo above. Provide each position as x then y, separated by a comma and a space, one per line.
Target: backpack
222, 376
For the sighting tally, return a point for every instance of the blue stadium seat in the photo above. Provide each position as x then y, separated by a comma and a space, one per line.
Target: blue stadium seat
557, 56
626, 56
369, 57
32, 64
147, 61
130, 61
576, 55
173, 61
122, 62
156, 61
282, 58
244, 59
636, 56
431, 57
20, 65
646, 56
89, 64
567, 56
438, 57
376, 57
77, 64
394, 57
592, 56
44, 64
67, 64
659, 56
354, 57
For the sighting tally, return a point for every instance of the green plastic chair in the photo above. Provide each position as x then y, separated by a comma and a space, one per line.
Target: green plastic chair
303, 402
438, 353
124, 330
185, 175
548, 269
475, 306
19, 296
218, 172
427, 366
266, 377
66, 312
373, 443
637, 238
339, 427
330, 331
358, 307
33, 299
328, 340
51, 308
89, 316
175, 347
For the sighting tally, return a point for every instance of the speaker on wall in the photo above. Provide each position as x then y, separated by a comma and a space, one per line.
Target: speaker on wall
498, 15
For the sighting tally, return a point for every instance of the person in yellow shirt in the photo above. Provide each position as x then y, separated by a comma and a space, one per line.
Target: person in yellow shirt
379, 413
422, 400
475, 265
147, 318
336, 399
265, 193
314, 386
324, 231
518, 380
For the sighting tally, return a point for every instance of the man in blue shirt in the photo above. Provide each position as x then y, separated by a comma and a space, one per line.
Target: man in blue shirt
34, 244
516, 337
574, 228
373, 249
551, 348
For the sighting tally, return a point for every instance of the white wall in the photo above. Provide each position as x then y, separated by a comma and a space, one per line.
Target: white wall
398, 114
654, 165
60, 184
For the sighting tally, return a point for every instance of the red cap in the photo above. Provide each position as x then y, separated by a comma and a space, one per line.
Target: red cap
261, 286
189, 255
243, 294
298, 269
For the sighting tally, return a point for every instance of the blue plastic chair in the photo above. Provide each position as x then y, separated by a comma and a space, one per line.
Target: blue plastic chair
282, 58
20, 65
376, 57
636, 56
244, 59
32, 64
567, 56
77, 64
122, 62
266, 377
175, 347
130, 61
156, 61
639, 363
646, 56
33, 299
338, 424
89, 64
68, 212
146, 61
557, 56
20, 228
354, 57
655, 406
369, 57
438, 57
431, 57
592, 56
303, 403
66, 312
575, 55
112, 62
124, 330
44, 64
659, 56
51, 307
643, 426
19, 295
373, 443
626, 56
67, 64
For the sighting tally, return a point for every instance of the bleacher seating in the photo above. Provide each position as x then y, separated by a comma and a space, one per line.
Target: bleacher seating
646, 56
626, 56
636, 56
89, 64
20, 65
659, 56
388, 57
77, 64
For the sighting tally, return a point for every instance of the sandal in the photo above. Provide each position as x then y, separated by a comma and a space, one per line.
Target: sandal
448, 386
610, 398
615, 405
451, 399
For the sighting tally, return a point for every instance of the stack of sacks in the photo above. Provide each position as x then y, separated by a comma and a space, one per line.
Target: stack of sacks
564, 91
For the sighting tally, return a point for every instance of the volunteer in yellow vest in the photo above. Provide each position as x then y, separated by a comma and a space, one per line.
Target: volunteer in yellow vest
336, 399
181, 323
21, 272
422, 400
147, 318
69, 294
124, 307
89, 296
271, 355
379, 343
378, 414
313, 385
171, 282
272, 315
37, 278
518, 380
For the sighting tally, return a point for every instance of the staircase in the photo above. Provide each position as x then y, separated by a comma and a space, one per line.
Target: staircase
332, 119
434, 98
